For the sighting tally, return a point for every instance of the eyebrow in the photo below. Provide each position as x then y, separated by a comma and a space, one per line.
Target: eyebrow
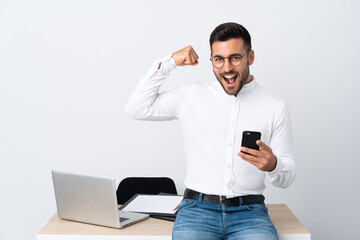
232, 55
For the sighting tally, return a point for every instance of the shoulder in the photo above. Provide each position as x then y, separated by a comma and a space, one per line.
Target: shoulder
196, 86
270, 99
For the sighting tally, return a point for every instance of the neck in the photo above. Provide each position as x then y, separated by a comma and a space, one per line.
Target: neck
250, 78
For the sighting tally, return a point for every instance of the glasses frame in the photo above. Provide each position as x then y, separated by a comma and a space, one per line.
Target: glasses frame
223, 62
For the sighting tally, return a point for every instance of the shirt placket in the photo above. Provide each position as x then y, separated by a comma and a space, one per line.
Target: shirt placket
229, 176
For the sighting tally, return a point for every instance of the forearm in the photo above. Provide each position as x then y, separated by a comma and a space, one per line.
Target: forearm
284, 173
141, 102
283, 147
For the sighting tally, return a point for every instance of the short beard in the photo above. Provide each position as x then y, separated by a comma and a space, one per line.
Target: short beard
243, 80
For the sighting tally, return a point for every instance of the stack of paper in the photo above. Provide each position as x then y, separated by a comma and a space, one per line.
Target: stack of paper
159, 206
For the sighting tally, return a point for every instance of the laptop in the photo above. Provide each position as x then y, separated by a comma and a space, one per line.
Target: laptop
90, 199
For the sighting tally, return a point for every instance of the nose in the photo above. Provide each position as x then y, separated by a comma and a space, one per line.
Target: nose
227, 66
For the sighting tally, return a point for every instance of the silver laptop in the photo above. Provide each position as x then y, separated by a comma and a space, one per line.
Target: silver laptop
90, 199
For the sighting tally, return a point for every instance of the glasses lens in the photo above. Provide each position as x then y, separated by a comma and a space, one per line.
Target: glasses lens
235, 61
218, 62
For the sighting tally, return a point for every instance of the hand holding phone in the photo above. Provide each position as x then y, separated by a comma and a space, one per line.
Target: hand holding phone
265, 159
249, 139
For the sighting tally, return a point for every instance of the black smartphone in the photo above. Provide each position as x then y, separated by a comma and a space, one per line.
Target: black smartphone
249, 139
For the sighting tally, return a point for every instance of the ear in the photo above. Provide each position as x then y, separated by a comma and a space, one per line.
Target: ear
251, 57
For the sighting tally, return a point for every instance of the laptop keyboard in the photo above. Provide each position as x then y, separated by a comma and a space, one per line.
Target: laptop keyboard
122, 219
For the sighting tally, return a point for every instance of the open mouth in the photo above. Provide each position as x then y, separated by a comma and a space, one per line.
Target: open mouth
230, 79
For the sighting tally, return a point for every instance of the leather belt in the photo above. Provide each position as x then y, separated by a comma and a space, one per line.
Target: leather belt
236, 201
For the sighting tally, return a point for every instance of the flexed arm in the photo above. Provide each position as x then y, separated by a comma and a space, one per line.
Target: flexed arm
146, 103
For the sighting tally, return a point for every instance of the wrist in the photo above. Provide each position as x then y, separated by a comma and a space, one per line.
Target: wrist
273, 165
166, 64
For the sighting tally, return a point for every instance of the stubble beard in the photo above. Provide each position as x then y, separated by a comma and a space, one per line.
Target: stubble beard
243, 80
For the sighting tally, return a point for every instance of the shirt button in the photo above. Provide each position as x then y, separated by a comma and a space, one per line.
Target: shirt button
233, 122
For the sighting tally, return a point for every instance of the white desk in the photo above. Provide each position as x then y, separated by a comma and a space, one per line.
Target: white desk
287, 225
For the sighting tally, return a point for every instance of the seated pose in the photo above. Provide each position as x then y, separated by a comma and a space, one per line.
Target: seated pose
224, 180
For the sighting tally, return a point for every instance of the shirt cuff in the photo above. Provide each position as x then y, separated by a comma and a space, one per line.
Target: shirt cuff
167, 64
277, 170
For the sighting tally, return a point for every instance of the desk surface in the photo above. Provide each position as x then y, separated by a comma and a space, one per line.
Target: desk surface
286, 223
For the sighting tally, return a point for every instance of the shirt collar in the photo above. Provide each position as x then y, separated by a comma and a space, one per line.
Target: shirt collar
248, 86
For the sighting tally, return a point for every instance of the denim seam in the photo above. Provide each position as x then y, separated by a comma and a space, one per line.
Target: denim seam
256, 210
194, 202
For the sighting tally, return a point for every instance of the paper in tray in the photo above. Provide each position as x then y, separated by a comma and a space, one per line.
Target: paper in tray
156, 205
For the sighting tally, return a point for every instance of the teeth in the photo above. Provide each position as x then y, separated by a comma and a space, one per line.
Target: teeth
228, 77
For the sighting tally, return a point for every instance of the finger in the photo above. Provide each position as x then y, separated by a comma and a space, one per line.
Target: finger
252, 151
192, 59
263, 146
249, 158
197, 57
188, 59
195, 63
194, 56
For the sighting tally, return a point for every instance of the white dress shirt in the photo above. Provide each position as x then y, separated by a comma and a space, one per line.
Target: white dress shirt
213, 122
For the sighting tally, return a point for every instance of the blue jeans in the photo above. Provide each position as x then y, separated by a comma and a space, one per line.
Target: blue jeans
201, 220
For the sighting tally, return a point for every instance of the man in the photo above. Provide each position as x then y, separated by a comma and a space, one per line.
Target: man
223, 199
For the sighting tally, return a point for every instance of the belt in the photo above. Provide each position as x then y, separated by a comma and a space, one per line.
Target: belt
236, 201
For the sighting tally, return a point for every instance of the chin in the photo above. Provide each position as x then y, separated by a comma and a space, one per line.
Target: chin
233, 91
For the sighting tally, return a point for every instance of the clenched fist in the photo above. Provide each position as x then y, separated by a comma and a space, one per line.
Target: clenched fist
186, 56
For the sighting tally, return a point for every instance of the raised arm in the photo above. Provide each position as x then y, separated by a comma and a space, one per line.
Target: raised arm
146, 103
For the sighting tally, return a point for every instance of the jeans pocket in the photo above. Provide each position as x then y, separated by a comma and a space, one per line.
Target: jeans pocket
257, 208
187, 203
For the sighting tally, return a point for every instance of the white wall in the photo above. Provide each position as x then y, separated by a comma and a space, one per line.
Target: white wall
67, 68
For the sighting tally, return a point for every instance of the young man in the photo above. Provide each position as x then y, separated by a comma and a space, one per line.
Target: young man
223, 199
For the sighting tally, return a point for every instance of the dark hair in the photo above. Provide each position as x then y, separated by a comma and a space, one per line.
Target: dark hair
227, 31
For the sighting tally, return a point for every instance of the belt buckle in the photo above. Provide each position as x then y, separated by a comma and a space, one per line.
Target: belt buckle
221, 199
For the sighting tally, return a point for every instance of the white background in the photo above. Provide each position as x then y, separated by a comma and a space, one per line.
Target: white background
68, 67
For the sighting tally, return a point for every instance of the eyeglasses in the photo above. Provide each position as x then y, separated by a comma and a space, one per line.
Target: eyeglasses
234, 60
